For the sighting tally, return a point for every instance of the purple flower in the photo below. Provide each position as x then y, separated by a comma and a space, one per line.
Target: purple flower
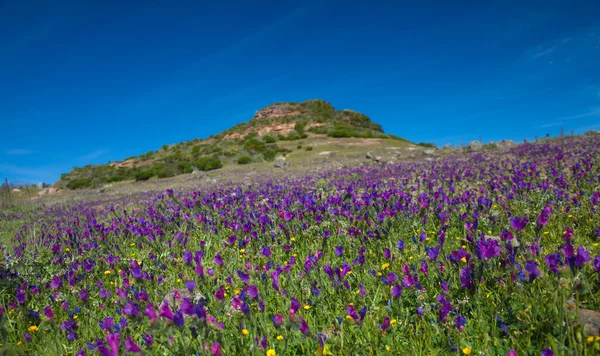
178, 318
187, 257
190, 284
218, 259
396, 291
553, 261
47, 312
568, 235
150, 313
518, 223
350, 311
131, 346
596, 266
488, 249
465, 278
339, 250
460, 322
252, 291
56, 283
433, 252
295, 305
164, 311
243, 276
136, 270
532, 269
400, 245
277, 319
21, 297
83, 295
266, 251
113, 342
385, 324
582, 256
547, 352
215, 349
220, 293
131, 309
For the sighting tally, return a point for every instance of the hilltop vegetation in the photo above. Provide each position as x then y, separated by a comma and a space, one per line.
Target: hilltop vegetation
258, 140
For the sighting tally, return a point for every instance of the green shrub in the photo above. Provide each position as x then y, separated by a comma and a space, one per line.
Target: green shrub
268, 139
244, 160
144, 175
80, 183
308, 148
299, 147
208, 163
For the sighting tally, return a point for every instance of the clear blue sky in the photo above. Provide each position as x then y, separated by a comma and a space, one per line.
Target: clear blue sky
93, 81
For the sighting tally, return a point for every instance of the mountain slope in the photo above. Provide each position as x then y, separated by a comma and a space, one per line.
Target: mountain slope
277, 129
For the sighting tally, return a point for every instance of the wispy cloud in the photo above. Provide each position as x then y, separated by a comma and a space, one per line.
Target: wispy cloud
542, 52
93, 155
17, 152
591, 113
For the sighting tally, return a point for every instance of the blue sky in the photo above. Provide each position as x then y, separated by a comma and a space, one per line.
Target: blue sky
87, 82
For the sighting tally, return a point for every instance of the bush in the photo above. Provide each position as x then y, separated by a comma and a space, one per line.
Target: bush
268, 139
144, 175
208, 163
80, 183
299, 147
426, 144
269, 155
244, 160
308, 148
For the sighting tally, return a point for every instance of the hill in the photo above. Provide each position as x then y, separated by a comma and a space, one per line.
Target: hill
278, 129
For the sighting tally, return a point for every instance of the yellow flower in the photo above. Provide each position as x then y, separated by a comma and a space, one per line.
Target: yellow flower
590, 339
388, 349
427, 239
379, 274
596, 244
463, 260
489, 232
323, 351
546, 232
242, 250
271, 352
11, 311
393, 321
466, 351
131, 244
74, 316
464, 247
132, 255
295, 255
410, 258
33, 328
348, 317
106, 273
178, 280
279, 337
244, 332
67, 249
236, 291
307, 307
20, 343
293, 239
384, 266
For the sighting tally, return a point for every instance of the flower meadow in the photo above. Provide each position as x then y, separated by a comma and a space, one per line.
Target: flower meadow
485, 253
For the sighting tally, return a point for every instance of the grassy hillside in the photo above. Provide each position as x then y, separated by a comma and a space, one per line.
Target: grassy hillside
278, 129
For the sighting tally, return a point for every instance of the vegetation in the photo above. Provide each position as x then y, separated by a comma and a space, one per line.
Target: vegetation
493, 253
311, 117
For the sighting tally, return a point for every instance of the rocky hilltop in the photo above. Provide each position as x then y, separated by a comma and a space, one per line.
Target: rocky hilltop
273, 133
